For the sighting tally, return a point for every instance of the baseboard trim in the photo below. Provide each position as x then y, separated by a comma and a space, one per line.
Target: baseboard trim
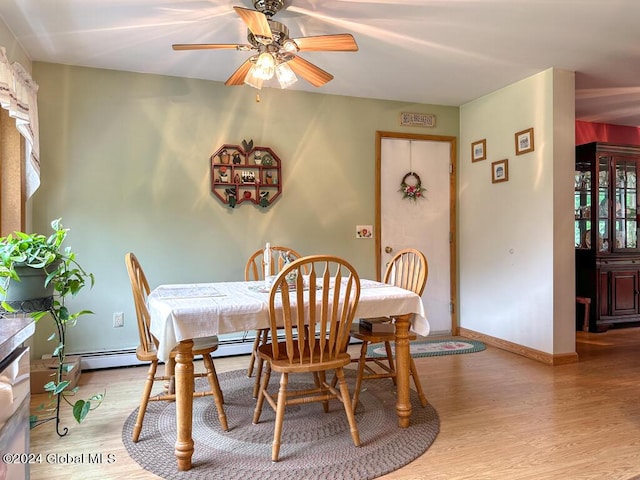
533, 354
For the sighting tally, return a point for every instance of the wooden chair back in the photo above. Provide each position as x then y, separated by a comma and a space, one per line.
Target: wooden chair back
140, 289
315, 319
254, 270
408, 269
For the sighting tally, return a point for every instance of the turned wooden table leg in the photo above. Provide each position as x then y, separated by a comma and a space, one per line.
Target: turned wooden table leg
403, 366
184, 404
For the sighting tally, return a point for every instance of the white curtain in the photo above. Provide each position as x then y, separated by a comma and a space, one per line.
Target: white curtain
18, 95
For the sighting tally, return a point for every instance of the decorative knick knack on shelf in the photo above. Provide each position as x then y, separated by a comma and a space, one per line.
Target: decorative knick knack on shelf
267, 160
236, 158
224, 176
224, 156
264, 199
231, 196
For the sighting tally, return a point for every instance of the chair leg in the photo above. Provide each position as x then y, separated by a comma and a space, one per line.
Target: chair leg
264, 336
320, 379
265, 381
277, 432
392, 367
146, 393
256, 384
215, 390
169, 372
348, 408
252, 360
361, 363
416, 381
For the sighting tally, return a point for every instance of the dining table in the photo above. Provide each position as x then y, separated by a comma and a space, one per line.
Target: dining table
180, 313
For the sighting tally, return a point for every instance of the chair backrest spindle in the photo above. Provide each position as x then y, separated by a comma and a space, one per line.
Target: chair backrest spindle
316, 308
254, 269
408, 269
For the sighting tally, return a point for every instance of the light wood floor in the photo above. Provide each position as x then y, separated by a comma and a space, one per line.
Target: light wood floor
502, 417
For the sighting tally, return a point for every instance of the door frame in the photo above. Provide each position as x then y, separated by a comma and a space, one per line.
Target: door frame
453, 195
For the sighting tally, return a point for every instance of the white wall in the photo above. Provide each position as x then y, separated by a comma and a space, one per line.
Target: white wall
516, 277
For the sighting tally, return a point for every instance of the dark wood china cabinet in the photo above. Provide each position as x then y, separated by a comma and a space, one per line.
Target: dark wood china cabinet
606, 232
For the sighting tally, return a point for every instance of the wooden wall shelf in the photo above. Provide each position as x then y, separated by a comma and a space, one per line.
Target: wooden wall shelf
238, 176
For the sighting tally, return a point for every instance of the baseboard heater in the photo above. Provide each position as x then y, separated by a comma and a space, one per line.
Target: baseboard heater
127, 357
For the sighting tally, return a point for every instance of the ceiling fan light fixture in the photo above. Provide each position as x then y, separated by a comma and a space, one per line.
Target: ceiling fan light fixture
252, 80
285, 75
265, 66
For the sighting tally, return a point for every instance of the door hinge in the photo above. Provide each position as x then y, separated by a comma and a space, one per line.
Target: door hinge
450, 168
450, 237
450, 307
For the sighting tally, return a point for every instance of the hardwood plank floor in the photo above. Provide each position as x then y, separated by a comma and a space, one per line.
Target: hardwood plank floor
502, 417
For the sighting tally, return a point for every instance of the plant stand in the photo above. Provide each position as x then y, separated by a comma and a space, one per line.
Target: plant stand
25, 307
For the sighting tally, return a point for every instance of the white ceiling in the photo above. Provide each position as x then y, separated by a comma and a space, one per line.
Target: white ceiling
444, 52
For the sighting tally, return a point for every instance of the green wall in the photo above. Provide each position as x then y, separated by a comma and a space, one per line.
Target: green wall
125, 163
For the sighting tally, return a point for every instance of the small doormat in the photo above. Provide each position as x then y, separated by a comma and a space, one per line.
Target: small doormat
432, 348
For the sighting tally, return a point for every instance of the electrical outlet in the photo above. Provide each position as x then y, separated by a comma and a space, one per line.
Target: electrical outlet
118, 319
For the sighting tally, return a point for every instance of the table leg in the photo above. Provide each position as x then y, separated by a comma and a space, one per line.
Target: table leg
184, 404
403, 366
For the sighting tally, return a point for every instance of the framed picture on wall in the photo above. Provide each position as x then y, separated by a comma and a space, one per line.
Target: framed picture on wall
479, 150
524, 141
500, 171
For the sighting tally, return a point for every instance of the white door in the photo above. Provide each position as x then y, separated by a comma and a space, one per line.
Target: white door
426, 223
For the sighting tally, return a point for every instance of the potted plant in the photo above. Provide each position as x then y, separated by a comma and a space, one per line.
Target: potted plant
53, 274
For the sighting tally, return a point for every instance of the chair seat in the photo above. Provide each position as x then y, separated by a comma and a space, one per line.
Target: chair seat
266, 353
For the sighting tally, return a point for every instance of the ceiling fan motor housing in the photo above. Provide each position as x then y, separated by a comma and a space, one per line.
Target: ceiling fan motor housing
279, 33
268, 7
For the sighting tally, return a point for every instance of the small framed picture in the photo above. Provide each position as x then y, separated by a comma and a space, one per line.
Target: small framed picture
479, 150
500, 171
524, 141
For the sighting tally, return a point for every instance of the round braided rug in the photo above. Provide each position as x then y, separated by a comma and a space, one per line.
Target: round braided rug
315, 445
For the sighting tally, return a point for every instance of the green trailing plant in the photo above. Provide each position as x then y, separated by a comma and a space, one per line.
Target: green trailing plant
67, 277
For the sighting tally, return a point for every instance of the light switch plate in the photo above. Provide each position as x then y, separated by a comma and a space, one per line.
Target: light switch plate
364, 231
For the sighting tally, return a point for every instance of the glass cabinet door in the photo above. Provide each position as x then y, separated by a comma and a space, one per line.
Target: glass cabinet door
582, 206
626, 204
604, 225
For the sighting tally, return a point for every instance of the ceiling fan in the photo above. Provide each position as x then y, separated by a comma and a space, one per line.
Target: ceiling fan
276, 53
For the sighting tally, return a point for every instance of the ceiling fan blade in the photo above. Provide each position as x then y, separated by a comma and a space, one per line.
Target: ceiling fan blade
257, 23
209, 46
307, 70
237, 78
341, 42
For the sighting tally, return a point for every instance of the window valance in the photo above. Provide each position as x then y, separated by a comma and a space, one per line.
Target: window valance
18, 95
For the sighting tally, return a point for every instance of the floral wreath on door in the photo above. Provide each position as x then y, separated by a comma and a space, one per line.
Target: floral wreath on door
411, 187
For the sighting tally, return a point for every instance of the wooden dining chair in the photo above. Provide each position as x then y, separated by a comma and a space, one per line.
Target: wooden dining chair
147, 352
254, 270
315, 312
408, 269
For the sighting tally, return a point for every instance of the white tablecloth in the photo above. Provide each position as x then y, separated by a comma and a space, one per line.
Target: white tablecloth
188, 311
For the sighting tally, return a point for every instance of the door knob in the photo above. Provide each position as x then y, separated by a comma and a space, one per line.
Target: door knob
388, 249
